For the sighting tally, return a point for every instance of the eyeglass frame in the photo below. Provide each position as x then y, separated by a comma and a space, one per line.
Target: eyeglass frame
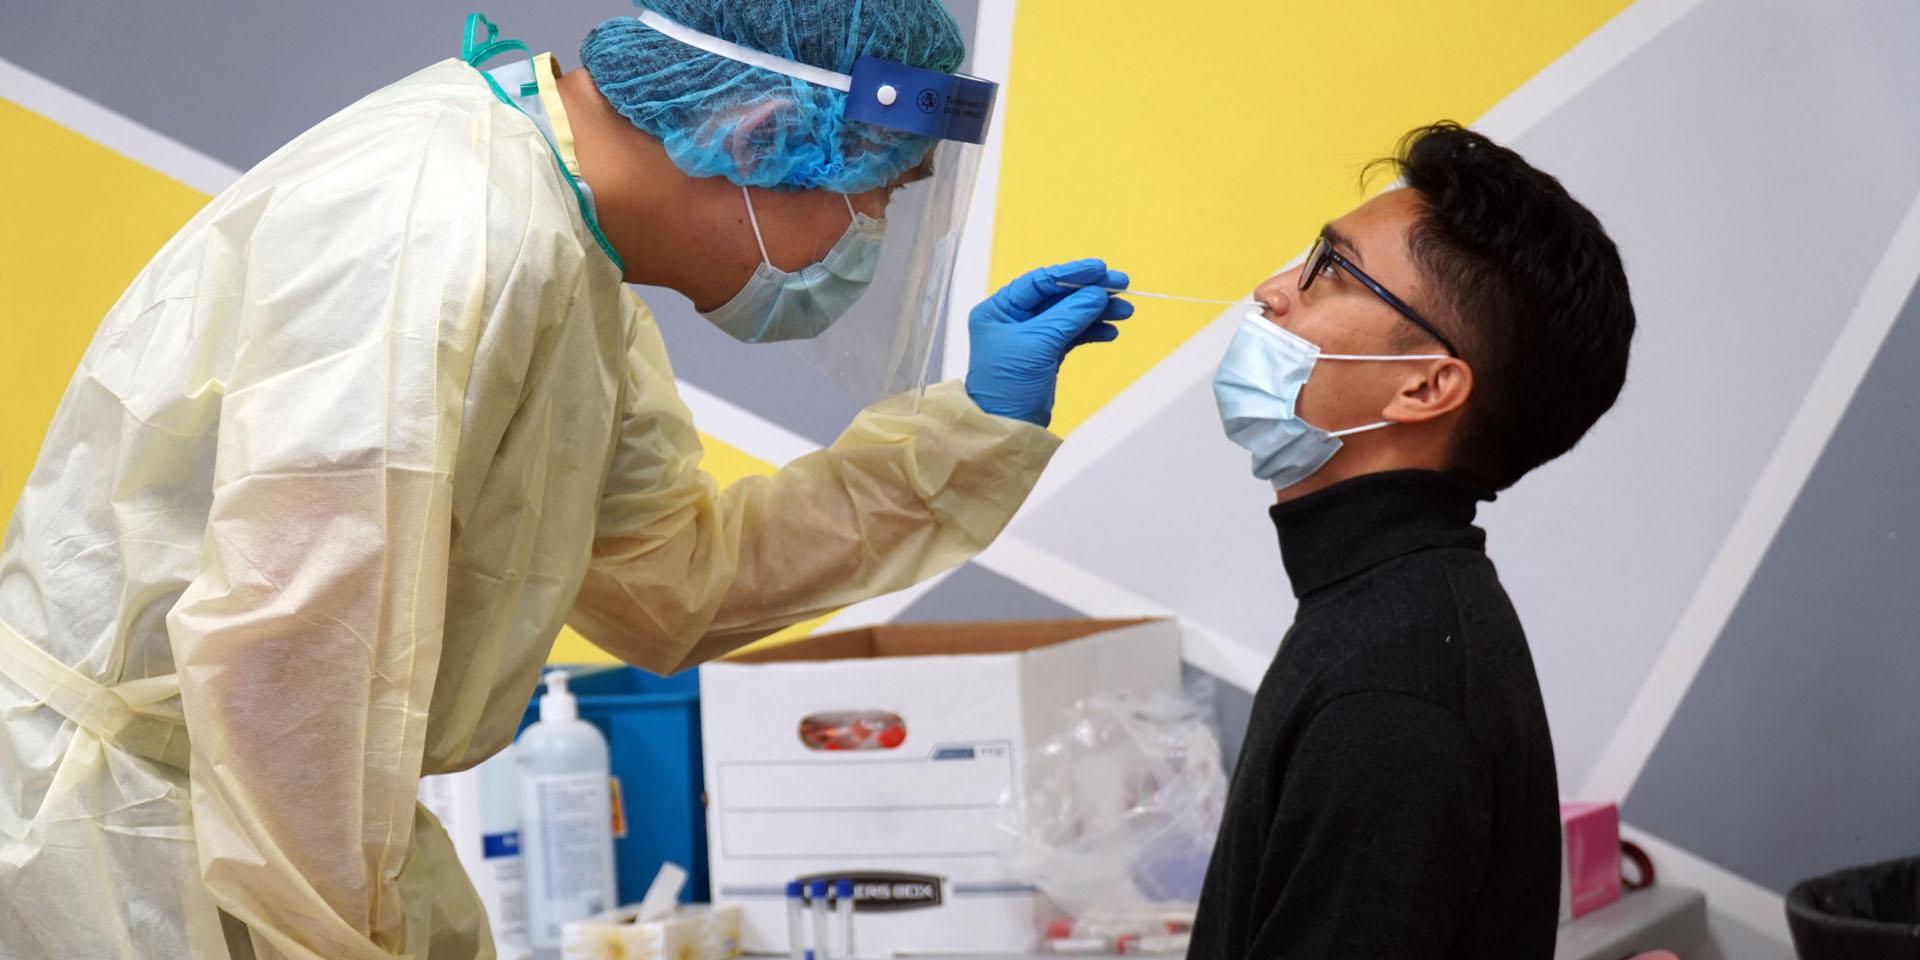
1322, 253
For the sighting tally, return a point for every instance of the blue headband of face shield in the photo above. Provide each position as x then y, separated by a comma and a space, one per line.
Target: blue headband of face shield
946, 106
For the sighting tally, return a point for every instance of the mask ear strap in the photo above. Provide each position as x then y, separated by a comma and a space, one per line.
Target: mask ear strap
1350, 431
756, 226
852, 214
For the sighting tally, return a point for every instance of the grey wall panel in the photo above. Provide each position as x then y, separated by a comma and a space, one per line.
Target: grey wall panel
236, 79
1794, 750
975, 593
1742, 160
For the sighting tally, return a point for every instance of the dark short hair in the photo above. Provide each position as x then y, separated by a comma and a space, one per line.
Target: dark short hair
1529, 286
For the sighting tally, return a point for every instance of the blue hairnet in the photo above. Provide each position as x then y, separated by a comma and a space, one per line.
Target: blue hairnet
757, 128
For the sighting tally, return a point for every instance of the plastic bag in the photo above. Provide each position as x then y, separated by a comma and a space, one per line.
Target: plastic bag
1122, 807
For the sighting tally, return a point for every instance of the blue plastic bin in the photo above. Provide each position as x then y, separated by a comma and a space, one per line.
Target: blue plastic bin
652, 725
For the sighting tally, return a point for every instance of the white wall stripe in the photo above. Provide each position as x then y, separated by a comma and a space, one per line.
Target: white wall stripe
1759, 519
113, 131
1048, 575
992, 56
1727, 892
887, 607
1193, 361
749, 432
1577, 69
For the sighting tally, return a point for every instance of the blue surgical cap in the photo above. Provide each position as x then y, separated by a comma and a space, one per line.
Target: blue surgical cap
721, 118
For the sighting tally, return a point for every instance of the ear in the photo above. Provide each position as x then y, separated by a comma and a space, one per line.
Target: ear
739, 127
873, 203
1431, 390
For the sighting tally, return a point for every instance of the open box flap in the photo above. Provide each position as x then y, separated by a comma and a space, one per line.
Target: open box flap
934, 639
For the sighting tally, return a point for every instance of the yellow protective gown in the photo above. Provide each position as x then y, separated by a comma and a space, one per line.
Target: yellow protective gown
328, 481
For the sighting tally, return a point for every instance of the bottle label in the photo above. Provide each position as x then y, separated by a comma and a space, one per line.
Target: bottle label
494, 845
619, 810
570, 850
507, 878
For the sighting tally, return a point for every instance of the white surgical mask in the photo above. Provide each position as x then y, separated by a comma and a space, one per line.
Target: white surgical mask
777, 305
1258, 391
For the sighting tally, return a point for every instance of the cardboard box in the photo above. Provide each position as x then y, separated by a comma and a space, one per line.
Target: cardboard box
895, 756
1589, 858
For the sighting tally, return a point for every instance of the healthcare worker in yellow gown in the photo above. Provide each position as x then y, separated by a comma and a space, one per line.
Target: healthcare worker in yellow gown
383, 416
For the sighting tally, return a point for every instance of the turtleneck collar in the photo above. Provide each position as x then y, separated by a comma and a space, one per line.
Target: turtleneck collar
1355, 525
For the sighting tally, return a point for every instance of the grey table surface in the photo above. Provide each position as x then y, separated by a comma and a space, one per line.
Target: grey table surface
1658, 918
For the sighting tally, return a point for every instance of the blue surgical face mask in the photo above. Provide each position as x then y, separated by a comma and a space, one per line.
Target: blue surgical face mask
777, 305
1258, 392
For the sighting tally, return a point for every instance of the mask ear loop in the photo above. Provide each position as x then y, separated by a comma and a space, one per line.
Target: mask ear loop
756, 226
1379, 358
1385, 357
1350, 431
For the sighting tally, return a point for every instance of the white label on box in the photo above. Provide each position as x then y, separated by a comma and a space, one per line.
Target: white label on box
945, 804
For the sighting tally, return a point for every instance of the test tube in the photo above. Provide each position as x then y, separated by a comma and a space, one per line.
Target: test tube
821, 950
796, 937
843, 896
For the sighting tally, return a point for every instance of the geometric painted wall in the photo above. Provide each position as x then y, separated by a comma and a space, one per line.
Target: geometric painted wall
1717, 583
1794, 749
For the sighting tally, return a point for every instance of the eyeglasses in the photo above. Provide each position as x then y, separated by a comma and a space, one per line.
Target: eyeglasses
1323, 254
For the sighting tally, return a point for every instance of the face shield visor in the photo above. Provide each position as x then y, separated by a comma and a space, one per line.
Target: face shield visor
867, 312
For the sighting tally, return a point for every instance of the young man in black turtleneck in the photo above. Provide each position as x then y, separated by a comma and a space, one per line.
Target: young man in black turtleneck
1396, 795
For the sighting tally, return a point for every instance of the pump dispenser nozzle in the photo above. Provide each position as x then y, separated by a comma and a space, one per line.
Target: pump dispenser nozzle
558, 704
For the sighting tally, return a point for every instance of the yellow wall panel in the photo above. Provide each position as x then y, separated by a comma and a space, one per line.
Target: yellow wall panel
80, 221
1199, 146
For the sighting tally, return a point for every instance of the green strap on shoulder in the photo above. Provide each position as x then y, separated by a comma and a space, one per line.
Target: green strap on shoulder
480, 43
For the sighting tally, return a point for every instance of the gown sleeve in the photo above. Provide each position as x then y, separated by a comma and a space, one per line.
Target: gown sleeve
684, 571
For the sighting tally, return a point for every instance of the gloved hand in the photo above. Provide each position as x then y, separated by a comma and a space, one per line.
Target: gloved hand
1020, 335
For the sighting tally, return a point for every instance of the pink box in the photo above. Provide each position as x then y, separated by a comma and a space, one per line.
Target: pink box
1589, 858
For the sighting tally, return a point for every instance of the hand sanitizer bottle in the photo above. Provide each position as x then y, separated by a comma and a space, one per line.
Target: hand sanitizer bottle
566, 806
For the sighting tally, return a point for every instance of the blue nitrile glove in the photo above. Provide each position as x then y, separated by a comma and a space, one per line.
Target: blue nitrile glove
1020, 335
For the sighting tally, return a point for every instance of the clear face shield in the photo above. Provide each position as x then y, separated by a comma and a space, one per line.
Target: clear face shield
883, 345
867, 313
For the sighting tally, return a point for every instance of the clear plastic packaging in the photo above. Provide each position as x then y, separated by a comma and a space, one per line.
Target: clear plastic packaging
1122, 807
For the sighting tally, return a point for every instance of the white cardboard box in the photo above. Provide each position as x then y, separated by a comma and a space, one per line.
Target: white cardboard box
918, 826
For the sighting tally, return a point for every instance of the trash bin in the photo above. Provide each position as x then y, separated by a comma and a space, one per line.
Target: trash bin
1861, 913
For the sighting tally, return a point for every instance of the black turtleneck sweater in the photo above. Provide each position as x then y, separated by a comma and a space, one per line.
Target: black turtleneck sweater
1395, 797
